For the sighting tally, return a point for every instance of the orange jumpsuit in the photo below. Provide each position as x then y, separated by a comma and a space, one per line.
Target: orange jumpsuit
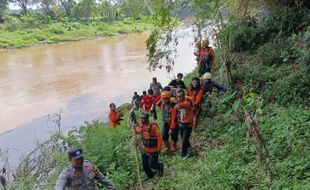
114, 118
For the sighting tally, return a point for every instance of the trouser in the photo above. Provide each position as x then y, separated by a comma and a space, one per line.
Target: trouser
204, 68
150, 161
165, 133
185, 131
196, 113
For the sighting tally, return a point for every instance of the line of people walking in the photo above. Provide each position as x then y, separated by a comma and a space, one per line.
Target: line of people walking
180, 108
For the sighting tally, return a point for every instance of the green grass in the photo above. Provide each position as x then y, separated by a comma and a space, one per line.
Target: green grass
232, 165
68, 31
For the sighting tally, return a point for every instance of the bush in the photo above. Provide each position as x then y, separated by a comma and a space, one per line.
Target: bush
11, 23
244, 35
282, 21
291, 87
57, 29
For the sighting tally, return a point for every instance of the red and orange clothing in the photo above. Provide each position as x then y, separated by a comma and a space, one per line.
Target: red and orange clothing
148, 131
114, 118
146, 103
195, 96
203, 52
169, 113
184, 112
156, 99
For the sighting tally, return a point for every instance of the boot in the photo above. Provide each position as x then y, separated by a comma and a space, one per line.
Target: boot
173, 146
166, 143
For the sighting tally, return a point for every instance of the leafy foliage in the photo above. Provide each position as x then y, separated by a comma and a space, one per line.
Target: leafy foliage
248, 34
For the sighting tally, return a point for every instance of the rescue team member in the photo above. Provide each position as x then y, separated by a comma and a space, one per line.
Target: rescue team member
184, 117
152, 142
206, 58
114, 117
169, 121
195, 94
81, 175
178, 81
208, 85
156, 87
154, 100
147, 101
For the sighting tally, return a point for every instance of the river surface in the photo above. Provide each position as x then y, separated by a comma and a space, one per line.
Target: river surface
80, 78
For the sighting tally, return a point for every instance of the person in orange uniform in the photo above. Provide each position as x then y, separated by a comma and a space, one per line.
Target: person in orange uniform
114, 117
184, 117
206, 58
195, 94
169, 121
147, 101
152, 142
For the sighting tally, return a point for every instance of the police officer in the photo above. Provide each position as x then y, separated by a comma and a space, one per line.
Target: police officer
152, 142
81, 175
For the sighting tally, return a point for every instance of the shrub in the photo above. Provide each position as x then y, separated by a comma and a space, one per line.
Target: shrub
282, 21
56, 29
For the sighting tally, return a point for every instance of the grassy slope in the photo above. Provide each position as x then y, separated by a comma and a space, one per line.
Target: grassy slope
68, 31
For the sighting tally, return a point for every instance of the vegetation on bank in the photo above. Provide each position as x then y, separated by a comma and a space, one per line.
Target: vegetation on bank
16, 34
66, 20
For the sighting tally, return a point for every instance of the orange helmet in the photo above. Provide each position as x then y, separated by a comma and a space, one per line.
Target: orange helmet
165, 95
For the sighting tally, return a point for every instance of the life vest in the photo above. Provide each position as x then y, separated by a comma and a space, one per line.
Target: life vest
184, 115
166, 112
195, 95
204, 56
149, 140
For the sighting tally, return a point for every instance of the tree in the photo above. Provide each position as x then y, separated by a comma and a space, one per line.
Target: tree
135, 8
68, 6
85, 9
3, 4
46, 6
207, 13
23, 4
106, 10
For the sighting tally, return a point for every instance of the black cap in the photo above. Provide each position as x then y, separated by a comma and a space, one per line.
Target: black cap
75, 154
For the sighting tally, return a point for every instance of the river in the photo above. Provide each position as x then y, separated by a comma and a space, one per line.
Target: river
81, 78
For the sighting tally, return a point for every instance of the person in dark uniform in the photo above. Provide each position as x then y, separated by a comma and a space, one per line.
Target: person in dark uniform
81, 174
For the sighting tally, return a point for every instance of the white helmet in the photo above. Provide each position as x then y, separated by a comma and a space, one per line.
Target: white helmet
206, 76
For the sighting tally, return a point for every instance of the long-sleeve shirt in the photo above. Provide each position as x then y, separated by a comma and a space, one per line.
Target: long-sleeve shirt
84, 179
195, 95
208, 87
156, 87
114, 118
146, 103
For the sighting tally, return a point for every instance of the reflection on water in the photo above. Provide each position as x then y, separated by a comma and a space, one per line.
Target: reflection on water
81, 77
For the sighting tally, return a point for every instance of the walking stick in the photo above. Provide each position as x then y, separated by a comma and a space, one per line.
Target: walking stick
132, 119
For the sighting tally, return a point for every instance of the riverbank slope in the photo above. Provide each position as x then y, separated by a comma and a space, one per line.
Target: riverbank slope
18, 35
